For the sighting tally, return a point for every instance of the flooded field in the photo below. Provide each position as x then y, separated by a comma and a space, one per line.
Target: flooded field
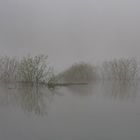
102, 110
69, 70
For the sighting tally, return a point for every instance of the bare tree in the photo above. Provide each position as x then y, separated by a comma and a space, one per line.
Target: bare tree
34, 69
121, 69
8, 69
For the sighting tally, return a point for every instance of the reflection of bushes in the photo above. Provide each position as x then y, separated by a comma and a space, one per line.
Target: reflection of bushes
81, 72
31, 99
119, 90
121, 69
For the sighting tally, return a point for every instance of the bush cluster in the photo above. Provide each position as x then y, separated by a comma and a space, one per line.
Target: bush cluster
80, 72
120, 69
33, 69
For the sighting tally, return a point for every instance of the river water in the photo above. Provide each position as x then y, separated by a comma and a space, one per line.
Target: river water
99, 111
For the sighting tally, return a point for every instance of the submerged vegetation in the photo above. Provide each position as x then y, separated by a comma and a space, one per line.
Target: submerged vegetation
120, 69
30, 69
80, 73
8, 69
35, 69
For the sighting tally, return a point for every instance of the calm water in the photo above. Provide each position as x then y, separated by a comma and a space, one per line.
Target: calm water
100, 111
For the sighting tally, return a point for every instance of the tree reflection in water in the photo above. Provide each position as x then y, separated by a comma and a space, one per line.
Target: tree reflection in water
121, 90
30, 98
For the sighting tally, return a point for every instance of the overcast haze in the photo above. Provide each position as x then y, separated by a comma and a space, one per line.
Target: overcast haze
69, 31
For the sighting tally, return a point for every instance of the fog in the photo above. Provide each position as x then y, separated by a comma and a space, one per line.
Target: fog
70, 31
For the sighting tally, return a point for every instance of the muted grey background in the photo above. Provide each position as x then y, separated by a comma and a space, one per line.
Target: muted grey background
70, 30
90, 112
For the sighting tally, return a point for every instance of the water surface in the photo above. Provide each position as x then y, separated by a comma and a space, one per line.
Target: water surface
99, 111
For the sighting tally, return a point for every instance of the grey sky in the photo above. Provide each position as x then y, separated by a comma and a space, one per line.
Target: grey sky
70, 30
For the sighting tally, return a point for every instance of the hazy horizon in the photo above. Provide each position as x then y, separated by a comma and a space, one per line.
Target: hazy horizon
70, 31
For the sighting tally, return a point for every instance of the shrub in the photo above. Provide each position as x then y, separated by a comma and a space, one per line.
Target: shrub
121, 69
34, 69
8, 69
80, 72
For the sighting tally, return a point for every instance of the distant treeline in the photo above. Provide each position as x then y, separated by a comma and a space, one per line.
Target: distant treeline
35, 69
118, 69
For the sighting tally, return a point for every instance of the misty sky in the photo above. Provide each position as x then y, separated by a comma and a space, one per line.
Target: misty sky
70, 31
